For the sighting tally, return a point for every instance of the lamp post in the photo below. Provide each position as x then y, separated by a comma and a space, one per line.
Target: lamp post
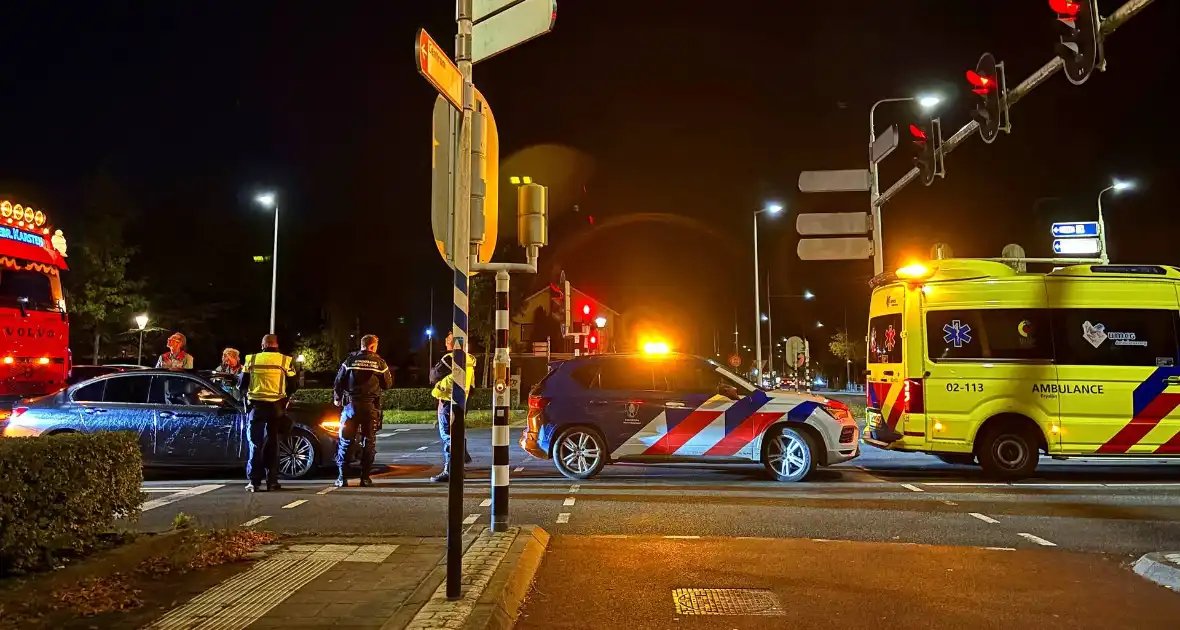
269, 201
1117, 186
772, 208
926, 103
429, 348
141, 320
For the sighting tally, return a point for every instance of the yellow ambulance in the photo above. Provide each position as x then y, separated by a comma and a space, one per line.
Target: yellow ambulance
971, 360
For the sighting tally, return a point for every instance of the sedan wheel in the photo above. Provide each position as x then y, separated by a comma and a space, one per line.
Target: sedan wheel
296, 455
578, 453
787, 455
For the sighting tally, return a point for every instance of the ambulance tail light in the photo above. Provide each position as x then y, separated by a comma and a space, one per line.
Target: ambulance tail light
537, 406
911, 396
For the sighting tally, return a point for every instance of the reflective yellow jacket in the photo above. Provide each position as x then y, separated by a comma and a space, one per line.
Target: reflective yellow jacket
267, 372
442, 389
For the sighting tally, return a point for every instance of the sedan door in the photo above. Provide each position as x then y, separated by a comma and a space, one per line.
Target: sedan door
195, 425
118, 403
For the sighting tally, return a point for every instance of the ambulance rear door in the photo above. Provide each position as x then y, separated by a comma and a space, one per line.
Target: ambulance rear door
886, 367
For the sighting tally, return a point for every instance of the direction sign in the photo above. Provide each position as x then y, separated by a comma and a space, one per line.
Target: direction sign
885, 144
852, 248
511, 27
832, 223
481, 9
1075, 229
1075, 246
853, 180
437, 67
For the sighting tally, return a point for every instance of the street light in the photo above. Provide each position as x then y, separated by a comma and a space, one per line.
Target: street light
429, 346
926, 102
517, 180
807, 295
269, 201
141, 320
600, 321
759, 317
1117, 186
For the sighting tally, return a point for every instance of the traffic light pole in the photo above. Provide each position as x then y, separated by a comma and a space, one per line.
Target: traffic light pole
1109, 25
461, 235
875, 189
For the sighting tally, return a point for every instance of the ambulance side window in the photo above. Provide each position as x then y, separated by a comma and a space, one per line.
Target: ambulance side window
1116, 337
885, 339
1013, 334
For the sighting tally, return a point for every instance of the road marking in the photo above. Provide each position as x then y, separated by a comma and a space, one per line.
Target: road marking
326, 490
910, 486
254, 521
683, 537
568, 501
949, 502
183, 494
1000, 548
485, 503
162, 489
564, 517
471, 518
381, 435
422, 448
1037, 539
575, 487
294, 504
984, 517
518, 469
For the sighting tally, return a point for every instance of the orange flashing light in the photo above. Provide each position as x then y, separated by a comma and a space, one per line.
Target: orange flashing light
915, 271
8, 360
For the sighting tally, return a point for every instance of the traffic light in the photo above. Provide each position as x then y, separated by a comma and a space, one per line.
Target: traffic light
928, 141
1080, 47
593, 340
585, 312
988, 81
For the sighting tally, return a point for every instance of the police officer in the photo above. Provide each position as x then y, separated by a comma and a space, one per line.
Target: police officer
264, 380
441, 376
358, 387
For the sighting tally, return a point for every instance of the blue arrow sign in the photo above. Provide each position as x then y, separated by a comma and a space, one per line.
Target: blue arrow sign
1075, 229
1075, 246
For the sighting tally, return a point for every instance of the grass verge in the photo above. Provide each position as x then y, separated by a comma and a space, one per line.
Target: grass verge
475, 418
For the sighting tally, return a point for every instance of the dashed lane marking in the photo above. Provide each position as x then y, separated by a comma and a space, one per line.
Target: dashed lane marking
949, 502
683, 537
326, 490
485, 503
984, 517
294, 504
385, 434
564, 517
422, 448
1000, 548
471, 518
910, 486
254, 521
1037, 539
575, 488
518, 469
568, 501
179, 496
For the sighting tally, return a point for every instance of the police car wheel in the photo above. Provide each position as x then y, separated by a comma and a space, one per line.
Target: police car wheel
1008, 453
787, 454
579, 453
297, 455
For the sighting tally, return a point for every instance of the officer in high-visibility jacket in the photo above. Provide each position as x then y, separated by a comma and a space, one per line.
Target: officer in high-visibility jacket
441, 375
264, 381
359, 382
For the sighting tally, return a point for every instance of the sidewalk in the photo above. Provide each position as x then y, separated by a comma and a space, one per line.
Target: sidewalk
372, 583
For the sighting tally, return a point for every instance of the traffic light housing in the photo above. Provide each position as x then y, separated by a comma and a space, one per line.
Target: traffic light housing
1080, 45
927, 139
988, 81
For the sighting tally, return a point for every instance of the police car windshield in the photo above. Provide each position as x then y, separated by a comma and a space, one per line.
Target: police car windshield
743, 386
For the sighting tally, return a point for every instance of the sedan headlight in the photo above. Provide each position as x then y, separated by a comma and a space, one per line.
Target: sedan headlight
331, 424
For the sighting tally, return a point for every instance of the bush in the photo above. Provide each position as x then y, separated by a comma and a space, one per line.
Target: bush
411, 399
62, 493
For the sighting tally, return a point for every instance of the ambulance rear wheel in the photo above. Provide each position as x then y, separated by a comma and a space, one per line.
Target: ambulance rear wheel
1008, 452
788, 454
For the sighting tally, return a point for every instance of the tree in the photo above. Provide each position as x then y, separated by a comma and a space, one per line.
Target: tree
100, 297
319, 352
846, 350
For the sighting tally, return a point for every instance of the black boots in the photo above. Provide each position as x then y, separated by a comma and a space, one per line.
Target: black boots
366, 481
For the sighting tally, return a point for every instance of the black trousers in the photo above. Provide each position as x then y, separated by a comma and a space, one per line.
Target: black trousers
359, 420
266, 419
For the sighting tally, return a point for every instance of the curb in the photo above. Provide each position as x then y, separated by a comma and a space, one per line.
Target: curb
1161, 567
502, 600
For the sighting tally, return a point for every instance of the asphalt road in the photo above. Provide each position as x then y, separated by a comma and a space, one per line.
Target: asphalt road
880, 497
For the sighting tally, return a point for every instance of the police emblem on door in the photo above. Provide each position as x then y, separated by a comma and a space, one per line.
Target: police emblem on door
632, 413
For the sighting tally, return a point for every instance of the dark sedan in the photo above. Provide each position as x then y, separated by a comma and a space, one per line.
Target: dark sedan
182, 419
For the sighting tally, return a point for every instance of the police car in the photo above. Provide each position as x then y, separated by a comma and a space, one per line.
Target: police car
595, 410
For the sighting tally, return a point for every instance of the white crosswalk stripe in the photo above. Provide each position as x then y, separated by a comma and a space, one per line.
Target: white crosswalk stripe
173, 494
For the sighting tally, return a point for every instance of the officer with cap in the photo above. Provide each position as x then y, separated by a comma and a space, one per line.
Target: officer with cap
441, 375
358, 387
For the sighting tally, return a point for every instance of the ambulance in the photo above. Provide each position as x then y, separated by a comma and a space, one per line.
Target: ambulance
971, 360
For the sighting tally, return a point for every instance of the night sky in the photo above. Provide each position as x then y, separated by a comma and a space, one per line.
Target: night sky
668, 123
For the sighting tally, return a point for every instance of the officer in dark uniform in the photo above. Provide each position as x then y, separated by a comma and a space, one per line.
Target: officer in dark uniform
358, 387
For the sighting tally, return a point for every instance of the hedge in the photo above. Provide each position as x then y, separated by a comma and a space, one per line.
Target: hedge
409, 399
61, 493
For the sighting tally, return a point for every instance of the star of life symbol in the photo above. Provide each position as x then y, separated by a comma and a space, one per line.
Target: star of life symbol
890, 338
956, 333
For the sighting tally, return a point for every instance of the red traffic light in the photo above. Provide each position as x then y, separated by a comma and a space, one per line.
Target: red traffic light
593, 340
983, 84
585, 309
919, 135
1067, 8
